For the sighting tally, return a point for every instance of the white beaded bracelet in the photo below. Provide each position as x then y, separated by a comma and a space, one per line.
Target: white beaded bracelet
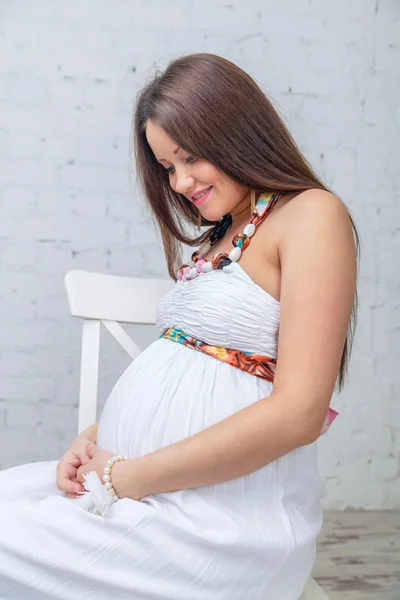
107, 474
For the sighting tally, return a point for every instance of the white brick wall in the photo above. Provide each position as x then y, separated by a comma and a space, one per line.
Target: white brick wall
69, 72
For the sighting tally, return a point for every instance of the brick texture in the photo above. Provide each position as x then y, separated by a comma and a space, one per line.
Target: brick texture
69, 73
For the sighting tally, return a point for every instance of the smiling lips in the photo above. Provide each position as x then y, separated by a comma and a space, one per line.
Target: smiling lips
205, 193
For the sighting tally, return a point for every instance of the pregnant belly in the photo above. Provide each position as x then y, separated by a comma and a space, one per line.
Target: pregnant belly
169, 393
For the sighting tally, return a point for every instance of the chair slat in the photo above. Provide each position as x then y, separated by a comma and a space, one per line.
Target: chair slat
122, 338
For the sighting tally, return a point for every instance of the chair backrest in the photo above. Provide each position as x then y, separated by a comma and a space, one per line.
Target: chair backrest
109, 300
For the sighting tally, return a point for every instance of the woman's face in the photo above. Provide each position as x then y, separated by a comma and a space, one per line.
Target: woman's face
189, 175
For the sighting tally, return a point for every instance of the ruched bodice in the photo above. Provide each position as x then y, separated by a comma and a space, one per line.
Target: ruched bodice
223, 308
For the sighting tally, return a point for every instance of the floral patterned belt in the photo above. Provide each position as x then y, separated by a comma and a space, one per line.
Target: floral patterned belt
251, 362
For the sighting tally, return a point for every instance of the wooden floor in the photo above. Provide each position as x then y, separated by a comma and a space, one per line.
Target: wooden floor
358, 555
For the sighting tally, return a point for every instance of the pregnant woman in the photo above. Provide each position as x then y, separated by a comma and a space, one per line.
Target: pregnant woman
200, 481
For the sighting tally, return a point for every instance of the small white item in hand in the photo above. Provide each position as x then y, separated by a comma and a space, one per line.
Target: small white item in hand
97, 499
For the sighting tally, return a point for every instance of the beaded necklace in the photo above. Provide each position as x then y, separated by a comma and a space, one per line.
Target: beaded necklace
199, 265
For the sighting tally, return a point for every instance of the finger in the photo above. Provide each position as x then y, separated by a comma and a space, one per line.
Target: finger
69, 457
68, 465
65, 474
74, 495
82, 472
91, 449
65, 484
69, 487
85, 458
79, 475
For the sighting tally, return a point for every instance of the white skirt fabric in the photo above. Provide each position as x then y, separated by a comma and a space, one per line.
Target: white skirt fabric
250, 538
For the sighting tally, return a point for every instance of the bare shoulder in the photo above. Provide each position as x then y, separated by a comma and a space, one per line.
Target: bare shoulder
315, 213
315, 202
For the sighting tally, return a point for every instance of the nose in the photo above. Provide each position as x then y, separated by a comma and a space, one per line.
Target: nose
183, 182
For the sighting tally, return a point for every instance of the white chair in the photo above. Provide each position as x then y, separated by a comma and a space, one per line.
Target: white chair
109, 299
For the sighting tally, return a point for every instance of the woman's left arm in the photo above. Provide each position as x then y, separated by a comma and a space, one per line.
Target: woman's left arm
318, 276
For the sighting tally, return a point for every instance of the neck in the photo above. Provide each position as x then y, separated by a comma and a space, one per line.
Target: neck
241, 211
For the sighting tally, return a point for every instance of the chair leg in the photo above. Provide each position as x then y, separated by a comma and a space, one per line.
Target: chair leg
313, 591
89, 373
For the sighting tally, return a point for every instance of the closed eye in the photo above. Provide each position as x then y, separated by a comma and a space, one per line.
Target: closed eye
189, 159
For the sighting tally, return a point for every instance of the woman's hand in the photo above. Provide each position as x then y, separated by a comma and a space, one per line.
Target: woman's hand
75, 457
124, 484
97, 460
66, 480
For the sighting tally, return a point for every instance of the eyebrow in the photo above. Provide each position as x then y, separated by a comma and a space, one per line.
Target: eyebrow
175, 152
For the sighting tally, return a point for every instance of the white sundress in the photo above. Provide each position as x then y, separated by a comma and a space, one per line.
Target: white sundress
252, 538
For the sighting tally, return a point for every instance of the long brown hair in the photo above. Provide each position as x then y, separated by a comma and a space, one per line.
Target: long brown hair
215, 110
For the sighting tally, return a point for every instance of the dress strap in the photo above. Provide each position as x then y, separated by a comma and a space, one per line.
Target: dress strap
251, 362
